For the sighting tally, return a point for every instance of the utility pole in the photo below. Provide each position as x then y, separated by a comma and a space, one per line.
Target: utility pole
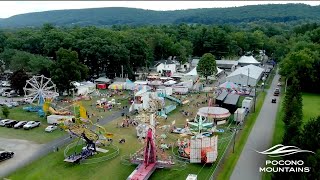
235, 130
248, 77
121, 71
255, 99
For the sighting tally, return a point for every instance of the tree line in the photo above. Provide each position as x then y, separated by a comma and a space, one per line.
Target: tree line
102, 51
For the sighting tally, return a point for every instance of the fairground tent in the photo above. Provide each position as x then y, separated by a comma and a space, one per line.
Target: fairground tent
129, 85
247, 75
228, 85
247, 60
117, 86
194, 72
102, 80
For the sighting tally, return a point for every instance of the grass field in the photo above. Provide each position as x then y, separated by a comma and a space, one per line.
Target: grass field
311, 106
113, 169
37, 134
231, 159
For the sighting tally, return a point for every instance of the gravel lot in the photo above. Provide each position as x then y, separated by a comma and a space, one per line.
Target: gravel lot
23, 150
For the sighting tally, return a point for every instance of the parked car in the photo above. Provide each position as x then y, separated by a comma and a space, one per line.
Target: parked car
5, 84
14, 103
5, 94
20, 124
12, 94
50, 128
31, 124
2, 122
8, 105
11, 124
7, 122
4, 155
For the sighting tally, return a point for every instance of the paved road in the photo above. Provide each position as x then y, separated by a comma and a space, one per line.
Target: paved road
260, 138
50, 147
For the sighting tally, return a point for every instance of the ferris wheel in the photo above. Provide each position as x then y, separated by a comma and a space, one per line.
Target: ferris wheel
39, 88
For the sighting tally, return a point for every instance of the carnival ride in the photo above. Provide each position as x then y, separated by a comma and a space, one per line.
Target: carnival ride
199, 149
95, 137
147, 159
37, 90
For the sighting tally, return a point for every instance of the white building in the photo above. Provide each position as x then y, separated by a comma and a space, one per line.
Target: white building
84, 88
166, 65
247, 75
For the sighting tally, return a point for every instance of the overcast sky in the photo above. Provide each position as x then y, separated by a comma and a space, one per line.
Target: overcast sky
10, 8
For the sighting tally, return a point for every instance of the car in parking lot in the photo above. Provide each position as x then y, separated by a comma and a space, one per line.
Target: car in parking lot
20, 124
51, 128
31, 124
3, 121
8, 122
11, 123
4, 155
12, 94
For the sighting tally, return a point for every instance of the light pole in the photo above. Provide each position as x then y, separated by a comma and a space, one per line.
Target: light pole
235, 130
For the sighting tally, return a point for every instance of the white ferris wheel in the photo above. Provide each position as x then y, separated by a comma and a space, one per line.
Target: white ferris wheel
39, 88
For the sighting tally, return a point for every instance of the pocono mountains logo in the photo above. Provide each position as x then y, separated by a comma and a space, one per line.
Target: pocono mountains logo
284, 165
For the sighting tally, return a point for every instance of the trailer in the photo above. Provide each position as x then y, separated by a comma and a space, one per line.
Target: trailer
54, 119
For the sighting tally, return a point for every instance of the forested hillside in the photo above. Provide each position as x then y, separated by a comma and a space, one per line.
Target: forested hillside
289, 13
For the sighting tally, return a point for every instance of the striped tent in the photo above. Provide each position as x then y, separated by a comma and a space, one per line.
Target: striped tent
116, 86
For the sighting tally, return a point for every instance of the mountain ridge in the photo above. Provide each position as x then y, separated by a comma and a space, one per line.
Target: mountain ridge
133, 16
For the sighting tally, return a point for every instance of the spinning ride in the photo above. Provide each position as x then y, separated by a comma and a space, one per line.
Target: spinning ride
38, 88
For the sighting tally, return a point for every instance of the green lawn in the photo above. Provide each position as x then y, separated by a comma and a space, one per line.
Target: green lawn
231, 159
37, 134
113, 169
311, 106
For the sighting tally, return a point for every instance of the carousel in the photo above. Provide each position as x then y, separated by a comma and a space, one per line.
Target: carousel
216, 115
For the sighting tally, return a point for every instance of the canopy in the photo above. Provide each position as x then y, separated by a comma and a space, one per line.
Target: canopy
248, 60
193, 72
215, 112
129, 85
155, 83
102, 79
116, 86
219, 70
170, 82
228, 85
139, 87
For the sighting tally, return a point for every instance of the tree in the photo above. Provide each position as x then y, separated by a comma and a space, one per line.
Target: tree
18, 80
67, 69
207, 66
5, 111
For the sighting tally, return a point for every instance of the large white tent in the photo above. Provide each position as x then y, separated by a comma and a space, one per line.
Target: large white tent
247, 75
194, 72
247, 60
